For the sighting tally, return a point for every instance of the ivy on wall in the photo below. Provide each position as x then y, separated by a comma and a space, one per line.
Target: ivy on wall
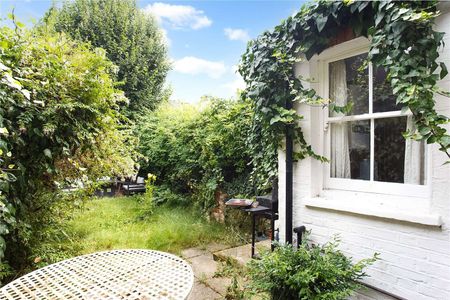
403, 42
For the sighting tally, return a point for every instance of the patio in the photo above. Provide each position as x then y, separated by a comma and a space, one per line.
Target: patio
205, 262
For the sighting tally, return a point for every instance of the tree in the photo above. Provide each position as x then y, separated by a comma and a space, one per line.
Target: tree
131, 38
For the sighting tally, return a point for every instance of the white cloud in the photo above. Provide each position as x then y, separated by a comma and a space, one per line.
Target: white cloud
237, 34
235, 85
179, 16
194, 66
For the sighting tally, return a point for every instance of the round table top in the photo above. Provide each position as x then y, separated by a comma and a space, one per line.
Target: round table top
118, 274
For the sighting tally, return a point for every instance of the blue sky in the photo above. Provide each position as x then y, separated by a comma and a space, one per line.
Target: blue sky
205, 38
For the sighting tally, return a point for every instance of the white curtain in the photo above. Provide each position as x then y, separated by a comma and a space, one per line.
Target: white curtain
414, 154
340, 155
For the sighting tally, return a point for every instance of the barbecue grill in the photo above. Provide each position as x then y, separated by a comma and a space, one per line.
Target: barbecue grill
268, 209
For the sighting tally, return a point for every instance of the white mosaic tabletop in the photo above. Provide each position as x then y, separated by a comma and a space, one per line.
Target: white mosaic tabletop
117, 274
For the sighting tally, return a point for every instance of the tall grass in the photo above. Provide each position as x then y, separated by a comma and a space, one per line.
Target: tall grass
119, 223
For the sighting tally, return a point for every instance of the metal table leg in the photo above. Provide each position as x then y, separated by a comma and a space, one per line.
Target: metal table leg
272, 228
253, 234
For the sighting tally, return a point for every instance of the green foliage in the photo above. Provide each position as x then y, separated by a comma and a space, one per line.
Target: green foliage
403, 42
413, 67
198, 149
132, 40
165, 195
115, 223
230, 268
309, 273
59, 121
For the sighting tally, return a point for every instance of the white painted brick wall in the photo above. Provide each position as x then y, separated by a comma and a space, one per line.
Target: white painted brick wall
415, 259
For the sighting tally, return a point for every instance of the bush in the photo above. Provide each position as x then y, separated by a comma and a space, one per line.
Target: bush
310, 273
59, 125
164, 195
198, 149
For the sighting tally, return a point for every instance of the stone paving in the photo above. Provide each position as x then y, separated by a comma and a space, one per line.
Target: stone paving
206, 287
204, 265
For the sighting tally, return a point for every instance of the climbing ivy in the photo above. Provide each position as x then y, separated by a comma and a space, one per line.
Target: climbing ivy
403, 41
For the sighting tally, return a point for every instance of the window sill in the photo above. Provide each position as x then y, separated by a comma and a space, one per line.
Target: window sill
375, 210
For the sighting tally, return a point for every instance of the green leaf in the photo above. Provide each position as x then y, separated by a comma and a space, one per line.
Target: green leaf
444, 71
321, 21
379, 17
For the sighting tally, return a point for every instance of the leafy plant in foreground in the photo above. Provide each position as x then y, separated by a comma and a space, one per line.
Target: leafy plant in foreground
309, 273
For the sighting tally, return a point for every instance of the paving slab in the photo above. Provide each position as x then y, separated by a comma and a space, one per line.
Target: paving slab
214, 247
219, 284
204, 266
241, 254
203, 292
193, 252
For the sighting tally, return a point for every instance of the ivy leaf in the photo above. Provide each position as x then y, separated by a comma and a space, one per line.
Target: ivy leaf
362, 5
445, 141
444, 70
379, 17
321, 21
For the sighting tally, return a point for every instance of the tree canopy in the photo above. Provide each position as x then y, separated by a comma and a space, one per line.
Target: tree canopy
131, 38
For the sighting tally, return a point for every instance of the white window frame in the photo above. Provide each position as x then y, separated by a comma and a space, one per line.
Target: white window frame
342, 51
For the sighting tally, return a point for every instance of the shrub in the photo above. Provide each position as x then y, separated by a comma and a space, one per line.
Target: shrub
165, 195
309, 273
59, 124
198, 149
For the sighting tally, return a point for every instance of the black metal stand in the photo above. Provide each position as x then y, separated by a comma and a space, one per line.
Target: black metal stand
256, 212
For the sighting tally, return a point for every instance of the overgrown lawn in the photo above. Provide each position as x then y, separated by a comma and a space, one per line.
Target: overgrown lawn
119, 223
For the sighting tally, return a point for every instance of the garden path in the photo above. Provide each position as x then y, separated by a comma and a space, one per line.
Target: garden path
204, 262
206, 286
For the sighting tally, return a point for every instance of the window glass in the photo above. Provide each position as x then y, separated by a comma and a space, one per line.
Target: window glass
396, 159
383, 98
350, 150
349, 82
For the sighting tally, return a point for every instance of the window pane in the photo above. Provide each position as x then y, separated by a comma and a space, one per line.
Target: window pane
397, 159
383, 99
349, 82
350, 150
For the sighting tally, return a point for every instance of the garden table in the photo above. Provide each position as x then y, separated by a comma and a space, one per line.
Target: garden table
117, 274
